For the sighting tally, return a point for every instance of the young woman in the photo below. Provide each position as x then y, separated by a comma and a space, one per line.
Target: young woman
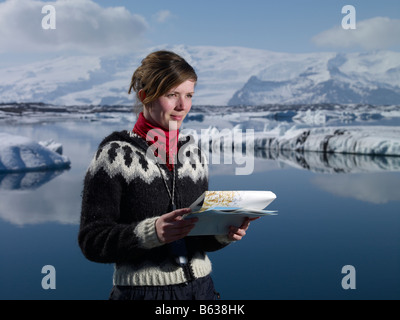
139, 186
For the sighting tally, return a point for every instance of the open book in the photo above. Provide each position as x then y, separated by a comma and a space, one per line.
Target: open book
218, 210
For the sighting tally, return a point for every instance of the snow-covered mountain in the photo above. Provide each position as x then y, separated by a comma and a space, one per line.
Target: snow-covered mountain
227, 76
372, 78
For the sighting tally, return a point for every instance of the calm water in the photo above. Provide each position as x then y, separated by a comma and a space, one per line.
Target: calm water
326, 221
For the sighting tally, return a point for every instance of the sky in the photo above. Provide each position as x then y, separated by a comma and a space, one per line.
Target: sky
119, 26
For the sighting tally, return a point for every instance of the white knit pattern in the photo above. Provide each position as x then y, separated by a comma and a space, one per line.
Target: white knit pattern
119, 157
148, 274
145, 231
134, 171
191, 165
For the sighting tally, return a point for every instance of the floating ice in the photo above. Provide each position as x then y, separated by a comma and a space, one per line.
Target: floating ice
363, 140
369, 140
21, 154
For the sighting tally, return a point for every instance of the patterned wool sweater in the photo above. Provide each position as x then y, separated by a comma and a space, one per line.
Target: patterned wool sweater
124, 194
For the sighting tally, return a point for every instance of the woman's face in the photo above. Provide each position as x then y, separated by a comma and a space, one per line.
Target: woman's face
169, 110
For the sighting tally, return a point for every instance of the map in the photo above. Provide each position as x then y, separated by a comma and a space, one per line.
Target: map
218, 210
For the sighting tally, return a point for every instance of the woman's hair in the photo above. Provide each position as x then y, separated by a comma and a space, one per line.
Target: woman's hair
160, 72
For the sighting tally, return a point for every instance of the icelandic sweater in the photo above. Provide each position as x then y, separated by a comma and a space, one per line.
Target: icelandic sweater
123, 196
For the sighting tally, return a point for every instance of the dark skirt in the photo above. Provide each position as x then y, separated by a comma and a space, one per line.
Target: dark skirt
198, 289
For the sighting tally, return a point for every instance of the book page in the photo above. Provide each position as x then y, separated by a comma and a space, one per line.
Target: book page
233, 199
218, 210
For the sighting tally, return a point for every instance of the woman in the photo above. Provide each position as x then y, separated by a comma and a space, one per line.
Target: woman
139, 186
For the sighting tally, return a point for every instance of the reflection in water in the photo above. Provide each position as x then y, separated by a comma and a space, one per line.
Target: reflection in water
43, 198
342, 209
50, 197
376, 188
318, 162
364, 178
230, 145
321, 162
27, 180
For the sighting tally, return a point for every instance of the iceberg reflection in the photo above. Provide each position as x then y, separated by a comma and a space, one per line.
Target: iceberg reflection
27, 180
376, 188
320, 162
315, 161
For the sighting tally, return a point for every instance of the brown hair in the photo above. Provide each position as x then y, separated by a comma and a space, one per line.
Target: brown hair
159, 72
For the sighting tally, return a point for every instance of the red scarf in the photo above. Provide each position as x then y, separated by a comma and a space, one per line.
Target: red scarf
164, 142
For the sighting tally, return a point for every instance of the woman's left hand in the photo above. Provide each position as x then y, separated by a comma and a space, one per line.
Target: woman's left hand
236, 234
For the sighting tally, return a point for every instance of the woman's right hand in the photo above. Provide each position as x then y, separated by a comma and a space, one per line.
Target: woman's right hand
171, 226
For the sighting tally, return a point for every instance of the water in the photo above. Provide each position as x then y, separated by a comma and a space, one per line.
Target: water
326, 221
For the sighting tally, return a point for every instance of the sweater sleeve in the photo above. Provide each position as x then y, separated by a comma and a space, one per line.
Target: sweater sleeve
102, 238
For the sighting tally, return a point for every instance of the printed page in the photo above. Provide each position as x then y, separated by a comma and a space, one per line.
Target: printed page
257, 200
218, 210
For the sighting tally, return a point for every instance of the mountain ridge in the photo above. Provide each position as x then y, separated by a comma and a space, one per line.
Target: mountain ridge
227, 76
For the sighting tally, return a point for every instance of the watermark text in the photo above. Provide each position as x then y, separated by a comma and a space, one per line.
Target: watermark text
49, 20
349, 20
49, 280
349, 280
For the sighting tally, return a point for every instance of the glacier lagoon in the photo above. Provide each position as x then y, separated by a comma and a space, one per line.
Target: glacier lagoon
334, 209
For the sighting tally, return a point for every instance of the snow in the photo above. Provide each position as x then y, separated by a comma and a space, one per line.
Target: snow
227, 75
21, 154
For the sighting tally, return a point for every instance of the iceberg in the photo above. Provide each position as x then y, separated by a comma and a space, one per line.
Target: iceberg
370, 140
21, 154
322, 150
361, 140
